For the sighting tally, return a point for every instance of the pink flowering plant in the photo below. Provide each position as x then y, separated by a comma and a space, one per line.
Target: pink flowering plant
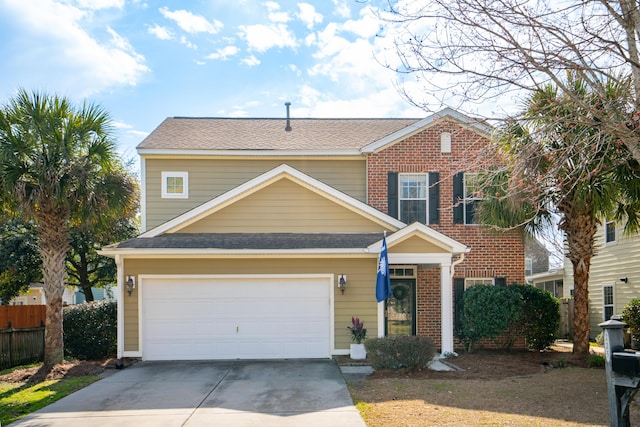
358, 332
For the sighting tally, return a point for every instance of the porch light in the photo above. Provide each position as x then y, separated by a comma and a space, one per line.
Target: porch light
130, 284
342, 282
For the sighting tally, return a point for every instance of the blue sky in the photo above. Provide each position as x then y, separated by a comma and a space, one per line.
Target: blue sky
147, 60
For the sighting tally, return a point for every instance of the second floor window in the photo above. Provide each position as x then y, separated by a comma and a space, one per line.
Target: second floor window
466, 195
175, 185
610, 232
413, 198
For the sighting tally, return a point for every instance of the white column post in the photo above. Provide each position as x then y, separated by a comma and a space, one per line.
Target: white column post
120, 306
446, 291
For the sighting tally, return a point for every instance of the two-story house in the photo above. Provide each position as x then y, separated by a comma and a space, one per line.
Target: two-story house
614, 277
262, 236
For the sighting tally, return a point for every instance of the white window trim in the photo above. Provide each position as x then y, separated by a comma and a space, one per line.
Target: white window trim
613, 297
604, 233
528, 261
401, 199
185, 180
467, 281
468, 199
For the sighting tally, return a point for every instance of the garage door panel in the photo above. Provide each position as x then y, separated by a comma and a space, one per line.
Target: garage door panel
200, 318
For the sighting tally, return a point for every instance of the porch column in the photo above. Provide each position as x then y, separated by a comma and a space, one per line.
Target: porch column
446, 291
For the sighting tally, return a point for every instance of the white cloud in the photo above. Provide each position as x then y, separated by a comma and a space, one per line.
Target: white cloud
328, 41
341, 8
374, 103
163, 33
308, 15
185, 41
264, 37
224, 53
274, 13
100, 4
251, 61
76, 61
192, 23
367, 26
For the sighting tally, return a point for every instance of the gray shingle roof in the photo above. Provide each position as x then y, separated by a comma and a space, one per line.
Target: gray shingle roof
184, 133
236, 241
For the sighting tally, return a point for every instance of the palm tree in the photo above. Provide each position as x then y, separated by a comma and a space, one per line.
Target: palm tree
53, 160
558, 157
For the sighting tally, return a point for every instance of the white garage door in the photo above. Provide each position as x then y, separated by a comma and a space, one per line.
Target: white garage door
191, 318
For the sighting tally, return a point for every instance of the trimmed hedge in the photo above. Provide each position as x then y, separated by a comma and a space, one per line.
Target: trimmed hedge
400, 352
90, 330
540, 316
487, 312
512, 311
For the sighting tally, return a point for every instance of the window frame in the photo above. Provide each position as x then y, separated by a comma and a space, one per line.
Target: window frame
528, 261
606, 233
469, 202
401, 197
467, 281
604, 300
165, 194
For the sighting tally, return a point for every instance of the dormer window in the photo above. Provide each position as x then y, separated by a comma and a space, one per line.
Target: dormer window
175, 185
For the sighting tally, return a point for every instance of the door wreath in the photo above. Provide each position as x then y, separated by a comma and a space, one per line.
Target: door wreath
399, 292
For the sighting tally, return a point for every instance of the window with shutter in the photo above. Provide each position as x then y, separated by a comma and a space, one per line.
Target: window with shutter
414, 197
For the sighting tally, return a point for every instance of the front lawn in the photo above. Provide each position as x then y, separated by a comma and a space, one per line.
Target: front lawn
20, 399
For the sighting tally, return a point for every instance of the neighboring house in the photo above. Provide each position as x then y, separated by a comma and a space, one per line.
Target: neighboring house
537, 269
536, 257
250, 225
614, 277
71, 295
34, 296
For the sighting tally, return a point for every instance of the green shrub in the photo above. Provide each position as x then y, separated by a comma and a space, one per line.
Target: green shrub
595, 361
90, 330
540, 316
488, 311
631, 316
400, 352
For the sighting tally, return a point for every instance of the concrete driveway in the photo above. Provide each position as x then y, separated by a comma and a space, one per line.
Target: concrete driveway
209, 393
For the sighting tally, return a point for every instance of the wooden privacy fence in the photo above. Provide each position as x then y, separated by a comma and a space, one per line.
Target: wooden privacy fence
22, 316
21, 346
566, 318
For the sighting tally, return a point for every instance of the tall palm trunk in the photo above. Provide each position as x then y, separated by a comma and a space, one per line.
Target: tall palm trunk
54, 244
580, 228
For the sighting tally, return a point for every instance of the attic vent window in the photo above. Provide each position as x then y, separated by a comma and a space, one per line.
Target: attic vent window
445, 142
175, 185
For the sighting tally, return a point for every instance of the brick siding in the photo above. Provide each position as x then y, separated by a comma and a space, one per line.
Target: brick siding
493, 254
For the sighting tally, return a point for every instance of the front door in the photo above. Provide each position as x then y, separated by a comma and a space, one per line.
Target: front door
400, 310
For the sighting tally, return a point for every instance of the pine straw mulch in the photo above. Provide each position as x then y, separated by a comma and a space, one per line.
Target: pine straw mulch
66, 369
497, 388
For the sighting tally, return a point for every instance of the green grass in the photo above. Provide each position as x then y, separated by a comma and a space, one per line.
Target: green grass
20, 399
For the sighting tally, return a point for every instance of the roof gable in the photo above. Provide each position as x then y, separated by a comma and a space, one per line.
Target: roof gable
431, 237
446, 114
282, 172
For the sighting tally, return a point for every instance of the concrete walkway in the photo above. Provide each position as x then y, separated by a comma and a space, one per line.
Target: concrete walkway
209, 393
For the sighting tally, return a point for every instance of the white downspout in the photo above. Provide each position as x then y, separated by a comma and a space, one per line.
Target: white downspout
446, 286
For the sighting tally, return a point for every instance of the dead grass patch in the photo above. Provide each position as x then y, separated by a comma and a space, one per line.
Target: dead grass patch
495, 389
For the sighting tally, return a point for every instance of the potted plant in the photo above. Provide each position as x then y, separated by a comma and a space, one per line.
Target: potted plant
358, 335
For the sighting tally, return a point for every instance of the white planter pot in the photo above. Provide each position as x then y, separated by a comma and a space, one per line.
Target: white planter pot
358, 352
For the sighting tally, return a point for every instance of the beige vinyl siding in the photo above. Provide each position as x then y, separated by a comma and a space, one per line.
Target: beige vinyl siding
417, 245
286, 207
358, 299
612, 262
209, 178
